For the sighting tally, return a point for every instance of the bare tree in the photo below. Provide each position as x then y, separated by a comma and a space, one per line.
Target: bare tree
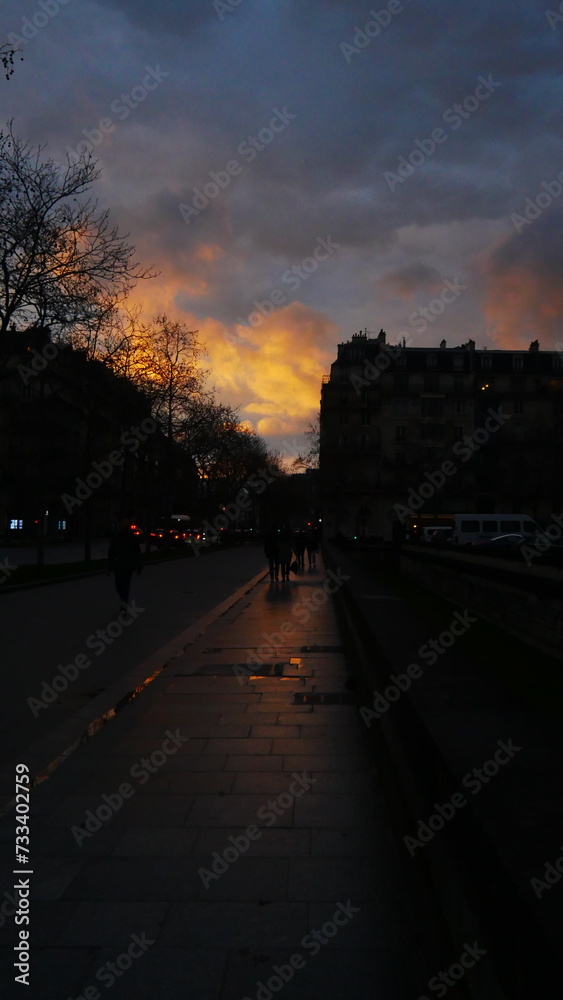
309, 460
165, 362
7, 53
60, 260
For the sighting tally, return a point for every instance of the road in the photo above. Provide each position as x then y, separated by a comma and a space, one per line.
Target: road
45, 627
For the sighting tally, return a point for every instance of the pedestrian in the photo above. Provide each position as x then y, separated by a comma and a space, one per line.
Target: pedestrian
299, 545
124, 556
312, 545
285, 550
271, 551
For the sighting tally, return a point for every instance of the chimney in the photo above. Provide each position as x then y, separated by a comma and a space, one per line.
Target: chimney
470, 345
443, 345
381, 337
534, 346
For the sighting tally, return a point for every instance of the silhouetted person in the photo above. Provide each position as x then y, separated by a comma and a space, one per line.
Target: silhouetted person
312, 544
271, 551
285, 550
299, 545
124, 556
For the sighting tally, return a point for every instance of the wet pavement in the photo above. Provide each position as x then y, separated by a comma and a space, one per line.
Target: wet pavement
225, 836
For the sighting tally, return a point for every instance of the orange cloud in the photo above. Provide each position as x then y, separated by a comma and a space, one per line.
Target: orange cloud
272, 373
522, 306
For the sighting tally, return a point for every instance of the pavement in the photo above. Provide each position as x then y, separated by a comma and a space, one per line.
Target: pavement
225, 836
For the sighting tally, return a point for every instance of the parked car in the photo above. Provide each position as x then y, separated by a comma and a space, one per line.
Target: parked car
511, 541
437, 535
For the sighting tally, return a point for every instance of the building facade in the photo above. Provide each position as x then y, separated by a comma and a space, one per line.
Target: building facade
438, 430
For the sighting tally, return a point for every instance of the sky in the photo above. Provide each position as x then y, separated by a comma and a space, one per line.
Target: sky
300, 171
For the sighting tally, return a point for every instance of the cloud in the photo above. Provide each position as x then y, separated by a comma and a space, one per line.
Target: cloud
412, 277
524, 294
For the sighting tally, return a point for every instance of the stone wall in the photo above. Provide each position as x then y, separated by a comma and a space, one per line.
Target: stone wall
529, 604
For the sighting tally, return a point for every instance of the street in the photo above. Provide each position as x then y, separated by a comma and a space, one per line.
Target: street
47, 626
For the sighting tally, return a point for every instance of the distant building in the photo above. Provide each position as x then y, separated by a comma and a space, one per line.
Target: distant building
391, 416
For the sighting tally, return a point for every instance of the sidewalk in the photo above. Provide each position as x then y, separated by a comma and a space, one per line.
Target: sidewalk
220, 827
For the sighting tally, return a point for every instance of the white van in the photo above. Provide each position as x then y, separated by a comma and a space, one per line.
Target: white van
480, 527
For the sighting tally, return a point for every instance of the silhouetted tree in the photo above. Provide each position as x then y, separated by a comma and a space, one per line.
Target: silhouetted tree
310, 459
7, 53
61, 260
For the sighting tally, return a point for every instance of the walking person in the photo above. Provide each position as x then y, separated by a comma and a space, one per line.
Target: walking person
124, 556
285, 550
312, 546
271, 551
299, 545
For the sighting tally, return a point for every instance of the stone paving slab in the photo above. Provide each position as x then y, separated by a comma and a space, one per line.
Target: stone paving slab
234, 845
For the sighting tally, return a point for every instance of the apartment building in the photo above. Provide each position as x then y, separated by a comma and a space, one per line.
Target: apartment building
437, 430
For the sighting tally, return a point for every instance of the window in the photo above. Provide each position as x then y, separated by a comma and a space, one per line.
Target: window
431, 383
458, 385
61, 525
16, 525
518, 362
432, 432
518, 405
401, 383
557, 362
517, 383
490, 525
458, 433
400, 459
458, 406
459, 362
26, 391
366, 418
469, 526
431, 407
344, 416
400, 406
401, 360
486, 362
509, 526
431, 360
400, 432
343, 440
